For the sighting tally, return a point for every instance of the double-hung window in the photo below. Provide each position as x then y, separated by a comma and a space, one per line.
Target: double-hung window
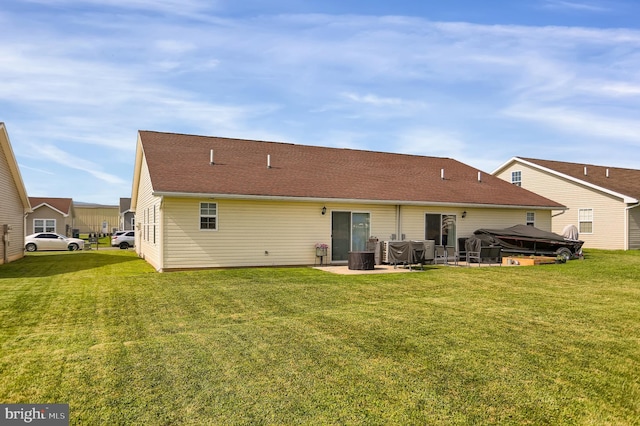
209, 216
44, 225
516, 178
531, 218
585, 221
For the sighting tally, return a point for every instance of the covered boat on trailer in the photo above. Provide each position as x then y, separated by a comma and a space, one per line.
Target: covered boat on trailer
527, 240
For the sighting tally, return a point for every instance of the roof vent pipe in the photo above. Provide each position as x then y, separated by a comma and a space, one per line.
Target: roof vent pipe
607, 172
479, 176
442, 174
211, 158
585, 170
268, 161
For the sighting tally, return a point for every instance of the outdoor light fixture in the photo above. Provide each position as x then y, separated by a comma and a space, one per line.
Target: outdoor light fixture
464, 214
324, 210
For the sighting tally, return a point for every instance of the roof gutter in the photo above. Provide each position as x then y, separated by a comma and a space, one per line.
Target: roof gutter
345, 200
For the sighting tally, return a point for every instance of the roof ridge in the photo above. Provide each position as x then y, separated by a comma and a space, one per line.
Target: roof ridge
302, 145
577, 163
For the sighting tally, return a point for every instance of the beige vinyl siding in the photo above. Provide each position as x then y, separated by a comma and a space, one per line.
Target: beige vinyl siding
146, 247
46, 212
634, 228
11, 213
89, 219
413, 219
256, 233
269, 233
608, 211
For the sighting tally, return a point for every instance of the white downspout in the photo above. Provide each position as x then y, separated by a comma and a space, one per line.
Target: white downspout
626, 224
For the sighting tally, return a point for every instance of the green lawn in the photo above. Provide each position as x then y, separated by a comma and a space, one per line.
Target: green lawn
553, 344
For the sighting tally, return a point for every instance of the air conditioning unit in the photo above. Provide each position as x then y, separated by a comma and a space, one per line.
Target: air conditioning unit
384, 251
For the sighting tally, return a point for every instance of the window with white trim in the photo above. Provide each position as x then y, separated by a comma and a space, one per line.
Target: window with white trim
209, 216
585, 221
516, 178
531, 219
155, 222
44, 225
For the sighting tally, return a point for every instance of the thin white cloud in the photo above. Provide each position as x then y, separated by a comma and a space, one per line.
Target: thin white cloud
178, 7
373, 100
381, 83
430, 141
614, 89
35, 169
572, 5
579, 122
71, 161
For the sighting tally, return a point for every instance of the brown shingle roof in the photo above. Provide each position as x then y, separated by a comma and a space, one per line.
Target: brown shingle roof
180, 164
623, 181
61, 204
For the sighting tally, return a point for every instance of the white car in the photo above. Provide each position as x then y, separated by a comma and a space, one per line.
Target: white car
51, 241
123, 239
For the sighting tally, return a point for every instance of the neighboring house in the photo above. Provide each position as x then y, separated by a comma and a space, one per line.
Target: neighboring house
96, 218
127, 216
51, 215
218, 202
601, 201
14, 204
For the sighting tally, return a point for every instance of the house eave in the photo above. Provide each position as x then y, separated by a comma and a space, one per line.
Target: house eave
33, 209
347, 200
625, 198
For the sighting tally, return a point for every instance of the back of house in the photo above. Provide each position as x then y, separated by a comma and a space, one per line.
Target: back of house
221, 202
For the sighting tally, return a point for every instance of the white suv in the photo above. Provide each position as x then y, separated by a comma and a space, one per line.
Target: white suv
123, 239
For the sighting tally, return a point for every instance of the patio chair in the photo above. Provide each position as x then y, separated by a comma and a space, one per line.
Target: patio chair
441, 255
486, 255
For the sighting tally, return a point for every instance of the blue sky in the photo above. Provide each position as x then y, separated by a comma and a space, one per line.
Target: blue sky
478, 81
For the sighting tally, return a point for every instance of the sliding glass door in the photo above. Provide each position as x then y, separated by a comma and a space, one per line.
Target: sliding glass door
441, 228
350, 231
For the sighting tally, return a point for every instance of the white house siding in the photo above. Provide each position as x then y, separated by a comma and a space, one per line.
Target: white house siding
11, 213
608, 211
634, 228
256, 232
146, 245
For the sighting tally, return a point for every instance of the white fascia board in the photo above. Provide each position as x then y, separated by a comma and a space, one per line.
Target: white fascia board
504, 165
625, 198
51, 207
345, 200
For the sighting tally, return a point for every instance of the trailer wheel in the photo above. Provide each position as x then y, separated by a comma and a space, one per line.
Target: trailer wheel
564, 253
